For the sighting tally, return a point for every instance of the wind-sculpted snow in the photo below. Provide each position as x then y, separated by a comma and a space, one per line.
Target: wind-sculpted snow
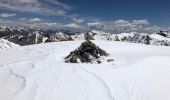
4, 44
11, 84
38, 72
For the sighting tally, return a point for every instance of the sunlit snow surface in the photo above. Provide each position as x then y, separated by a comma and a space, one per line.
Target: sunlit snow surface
38, 72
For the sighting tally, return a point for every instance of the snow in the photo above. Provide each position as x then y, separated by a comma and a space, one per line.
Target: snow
4, 44
159, 37
78, 36
38, 72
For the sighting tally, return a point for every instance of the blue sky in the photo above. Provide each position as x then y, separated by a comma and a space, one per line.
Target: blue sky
136, 14
156, 11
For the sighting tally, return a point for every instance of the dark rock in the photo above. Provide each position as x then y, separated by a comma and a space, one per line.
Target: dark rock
89, 36
110, 60
86, 53
163, 33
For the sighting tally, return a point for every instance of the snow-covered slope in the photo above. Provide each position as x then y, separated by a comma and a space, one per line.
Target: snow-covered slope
159, 37
38, 72
4, 44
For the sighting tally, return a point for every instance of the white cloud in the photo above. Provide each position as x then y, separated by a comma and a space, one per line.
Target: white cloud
72, 25
26, 1
124, 25
36, 6
36, 23
95, 25
118, 25
35, 20
153, 29
78, 21
5, 15
78, 24
40, 24
61, 12
140, 23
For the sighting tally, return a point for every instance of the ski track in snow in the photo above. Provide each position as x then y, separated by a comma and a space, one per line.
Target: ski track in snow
100, 80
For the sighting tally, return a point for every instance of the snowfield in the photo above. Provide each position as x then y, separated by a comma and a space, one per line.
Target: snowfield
38, 72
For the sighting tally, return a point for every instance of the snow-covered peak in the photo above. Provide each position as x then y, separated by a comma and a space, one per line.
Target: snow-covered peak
122, 36
4, 44
159, 37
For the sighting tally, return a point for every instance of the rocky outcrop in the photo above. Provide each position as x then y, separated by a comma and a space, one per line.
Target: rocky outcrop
88, 52
164, 33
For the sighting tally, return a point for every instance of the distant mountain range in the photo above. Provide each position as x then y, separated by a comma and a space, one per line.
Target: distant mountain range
22, 36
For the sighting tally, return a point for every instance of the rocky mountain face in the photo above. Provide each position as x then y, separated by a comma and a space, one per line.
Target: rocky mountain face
23, 36
149, 39
60, 36
134, 37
